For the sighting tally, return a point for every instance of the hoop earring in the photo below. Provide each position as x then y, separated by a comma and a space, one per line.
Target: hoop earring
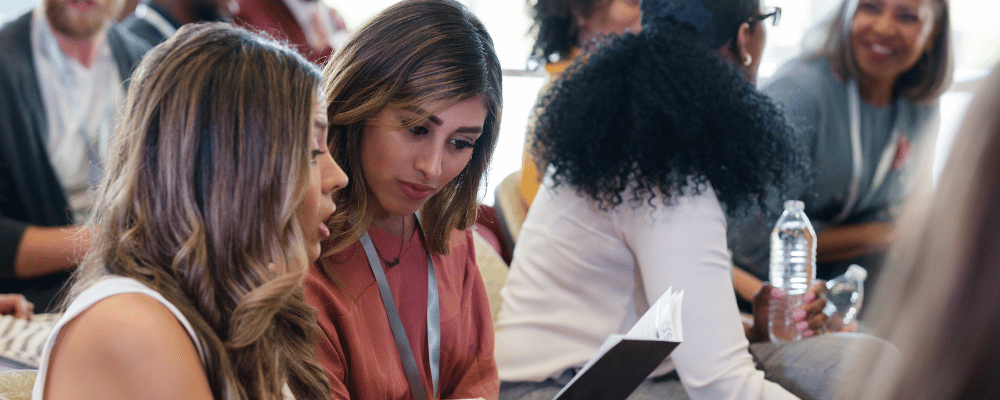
747, 60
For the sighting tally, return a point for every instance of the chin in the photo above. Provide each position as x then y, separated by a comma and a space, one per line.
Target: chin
312, 253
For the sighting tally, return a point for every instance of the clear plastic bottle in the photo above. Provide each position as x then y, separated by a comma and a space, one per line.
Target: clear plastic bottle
844, 295
793, 268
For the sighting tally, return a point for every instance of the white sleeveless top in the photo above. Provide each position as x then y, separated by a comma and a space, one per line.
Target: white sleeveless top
103, 289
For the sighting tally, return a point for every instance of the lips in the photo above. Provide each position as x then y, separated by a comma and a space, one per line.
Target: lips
324, 231
415, 191
880, 50
82, 4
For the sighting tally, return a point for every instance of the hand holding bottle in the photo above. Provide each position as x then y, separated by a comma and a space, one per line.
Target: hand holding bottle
809, 319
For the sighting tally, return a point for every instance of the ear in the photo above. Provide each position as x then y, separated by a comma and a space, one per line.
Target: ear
742, 42
579, 18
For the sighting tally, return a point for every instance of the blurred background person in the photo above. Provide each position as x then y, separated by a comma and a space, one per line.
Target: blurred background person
562, 29
314, 28
157, 20
62, 68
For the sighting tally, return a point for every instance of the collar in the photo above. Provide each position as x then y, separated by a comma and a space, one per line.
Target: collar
44, 43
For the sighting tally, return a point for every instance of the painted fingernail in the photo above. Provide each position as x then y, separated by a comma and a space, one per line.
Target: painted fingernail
809, 297
808, 333
777, 293
799, 315
802, 326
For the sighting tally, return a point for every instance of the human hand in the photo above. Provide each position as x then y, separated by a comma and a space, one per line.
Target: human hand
16, 305
809, 318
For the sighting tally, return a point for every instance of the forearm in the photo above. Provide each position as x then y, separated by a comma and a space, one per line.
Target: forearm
842, 242
746, 284
47, 250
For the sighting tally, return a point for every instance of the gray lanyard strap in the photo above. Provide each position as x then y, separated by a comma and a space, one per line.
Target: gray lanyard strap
399, 334
885, 161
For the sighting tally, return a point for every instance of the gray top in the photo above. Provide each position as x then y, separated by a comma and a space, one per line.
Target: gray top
816, 103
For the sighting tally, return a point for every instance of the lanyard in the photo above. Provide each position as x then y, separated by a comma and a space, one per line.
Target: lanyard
398, 333
885, 161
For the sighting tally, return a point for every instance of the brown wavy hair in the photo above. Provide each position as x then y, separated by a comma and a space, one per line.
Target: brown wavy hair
410, 55
208, 166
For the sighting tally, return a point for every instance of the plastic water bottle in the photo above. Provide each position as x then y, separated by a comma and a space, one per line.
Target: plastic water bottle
793, 268
844, 295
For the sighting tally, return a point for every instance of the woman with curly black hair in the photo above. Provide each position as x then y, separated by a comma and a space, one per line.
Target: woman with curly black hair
651, 140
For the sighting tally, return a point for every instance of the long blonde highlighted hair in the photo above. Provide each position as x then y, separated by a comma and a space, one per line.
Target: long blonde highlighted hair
207, 169
410, 55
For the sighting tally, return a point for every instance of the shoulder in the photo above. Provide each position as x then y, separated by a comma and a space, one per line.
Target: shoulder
137, 319
695, 204
142, 29
321, 291
798, 80
127, 43
15, 39
461, 242
110, 343
460, 263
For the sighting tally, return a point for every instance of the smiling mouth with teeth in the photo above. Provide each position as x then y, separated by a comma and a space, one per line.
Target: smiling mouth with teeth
881, 50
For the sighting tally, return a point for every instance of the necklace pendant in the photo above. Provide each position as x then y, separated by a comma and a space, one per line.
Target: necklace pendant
390, 264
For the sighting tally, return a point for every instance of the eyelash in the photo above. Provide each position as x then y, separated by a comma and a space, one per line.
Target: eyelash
315, 153
461, 144
419, 130
458, 144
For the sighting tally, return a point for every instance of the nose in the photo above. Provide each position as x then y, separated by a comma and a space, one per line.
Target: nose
884, 24
333, 177
429, 159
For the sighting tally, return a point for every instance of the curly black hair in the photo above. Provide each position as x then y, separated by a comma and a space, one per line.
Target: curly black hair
656, 114
554, 27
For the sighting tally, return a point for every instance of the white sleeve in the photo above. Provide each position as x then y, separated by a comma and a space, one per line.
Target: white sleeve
684, 246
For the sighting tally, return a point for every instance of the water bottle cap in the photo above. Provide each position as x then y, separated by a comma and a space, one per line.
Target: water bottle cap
799, 204
857, 271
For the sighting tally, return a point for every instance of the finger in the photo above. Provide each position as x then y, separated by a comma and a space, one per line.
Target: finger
818, 287
25, 309
817, 321
814, 306
812, 327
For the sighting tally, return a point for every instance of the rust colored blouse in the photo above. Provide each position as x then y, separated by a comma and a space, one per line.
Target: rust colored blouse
356, 346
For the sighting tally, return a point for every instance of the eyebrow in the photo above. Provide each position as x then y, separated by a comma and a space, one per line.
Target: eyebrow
437, 121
